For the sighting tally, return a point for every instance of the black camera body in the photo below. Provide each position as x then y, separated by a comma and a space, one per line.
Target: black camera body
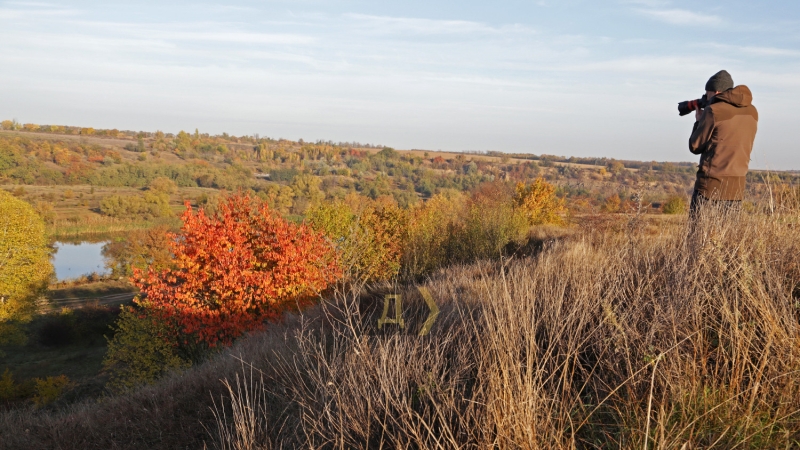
688, 106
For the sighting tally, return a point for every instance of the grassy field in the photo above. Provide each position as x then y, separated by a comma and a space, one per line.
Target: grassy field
65, 342
67, 338
75, 209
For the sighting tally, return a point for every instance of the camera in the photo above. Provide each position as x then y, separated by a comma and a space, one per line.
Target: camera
688, 106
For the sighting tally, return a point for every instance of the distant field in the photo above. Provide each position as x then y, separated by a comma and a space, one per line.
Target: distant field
104, 141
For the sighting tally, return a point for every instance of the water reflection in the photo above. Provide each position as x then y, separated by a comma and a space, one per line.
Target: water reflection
73, 260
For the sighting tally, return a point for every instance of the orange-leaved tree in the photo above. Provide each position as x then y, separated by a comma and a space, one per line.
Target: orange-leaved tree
235, 269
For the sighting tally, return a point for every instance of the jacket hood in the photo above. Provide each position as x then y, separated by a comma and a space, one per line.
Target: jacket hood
739, 96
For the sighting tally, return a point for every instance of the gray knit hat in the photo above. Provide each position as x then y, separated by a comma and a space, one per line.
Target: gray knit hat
720, 82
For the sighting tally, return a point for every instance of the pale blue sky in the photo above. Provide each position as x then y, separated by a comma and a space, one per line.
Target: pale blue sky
581, 78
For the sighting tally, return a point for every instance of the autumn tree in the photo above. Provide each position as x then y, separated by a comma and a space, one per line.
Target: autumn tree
234, 270
616, 167
25, 267
612, 203
280, 197
307, 188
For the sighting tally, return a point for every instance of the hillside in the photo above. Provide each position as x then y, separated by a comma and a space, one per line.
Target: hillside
603, 339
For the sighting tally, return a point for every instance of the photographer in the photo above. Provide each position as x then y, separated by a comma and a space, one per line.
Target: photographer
723, 136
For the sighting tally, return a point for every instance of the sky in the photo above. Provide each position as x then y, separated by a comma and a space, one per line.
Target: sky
575, 78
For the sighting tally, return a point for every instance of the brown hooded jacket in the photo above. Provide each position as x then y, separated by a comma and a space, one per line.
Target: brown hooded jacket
723, 137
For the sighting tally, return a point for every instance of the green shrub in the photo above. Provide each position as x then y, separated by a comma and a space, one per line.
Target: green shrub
140, 352
8, 388
148, 206
369, 240
489, 223
287, 175
49, 389
674, 205
378, 240
425, 247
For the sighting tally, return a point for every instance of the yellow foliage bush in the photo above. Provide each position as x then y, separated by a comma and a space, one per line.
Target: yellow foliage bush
46, 211
612, 204
377, 240
163, 185
539, 203
49, 389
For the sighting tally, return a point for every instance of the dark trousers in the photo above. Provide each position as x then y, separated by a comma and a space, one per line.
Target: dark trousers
699, 201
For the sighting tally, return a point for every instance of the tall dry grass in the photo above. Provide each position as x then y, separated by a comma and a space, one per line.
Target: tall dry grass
685, 338
620, 336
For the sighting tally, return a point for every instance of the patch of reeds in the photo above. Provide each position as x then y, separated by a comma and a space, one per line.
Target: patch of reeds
97, 227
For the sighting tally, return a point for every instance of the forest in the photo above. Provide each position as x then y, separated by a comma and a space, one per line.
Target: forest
247, 275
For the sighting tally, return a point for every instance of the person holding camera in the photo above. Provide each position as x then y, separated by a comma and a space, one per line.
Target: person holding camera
723, 136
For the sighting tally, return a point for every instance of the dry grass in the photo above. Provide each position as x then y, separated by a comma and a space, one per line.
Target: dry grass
618, 340
617, 337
